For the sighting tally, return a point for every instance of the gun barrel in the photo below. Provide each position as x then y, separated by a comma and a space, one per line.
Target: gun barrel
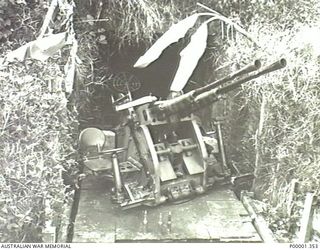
176, 104
268, 69
214, 95
247, 69
196, 99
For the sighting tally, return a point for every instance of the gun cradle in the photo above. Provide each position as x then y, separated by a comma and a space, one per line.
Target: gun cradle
176, 160
162, 161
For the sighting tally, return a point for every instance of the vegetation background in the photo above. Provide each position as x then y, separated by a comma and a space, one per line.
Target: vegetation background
38, 132
272, 126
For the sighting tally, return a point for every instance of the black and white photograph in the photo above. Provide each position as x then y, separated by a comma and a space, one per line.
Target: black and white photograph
164, 121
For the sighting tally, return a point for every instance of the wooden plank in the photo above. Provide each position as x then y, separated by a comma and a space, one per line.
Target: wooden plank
316, 221
292, 190
217, 216
96, 218
304, 234
130, 226
230, 221
258, 221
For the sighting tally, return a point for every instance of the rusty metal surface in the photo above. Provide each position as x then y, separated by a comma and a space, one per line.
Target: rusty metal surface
215, 217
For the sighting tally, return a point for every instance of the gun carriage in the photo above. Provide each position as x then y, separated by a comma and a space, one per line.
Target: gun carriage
161, 152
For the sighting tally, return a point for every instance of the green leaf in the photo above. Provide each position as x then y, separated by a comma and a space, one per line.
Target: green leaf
175, 32
190, 57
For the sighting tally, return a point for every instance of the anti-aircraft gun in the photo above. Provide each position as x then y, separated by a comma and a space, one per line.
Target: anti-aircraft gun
161, 151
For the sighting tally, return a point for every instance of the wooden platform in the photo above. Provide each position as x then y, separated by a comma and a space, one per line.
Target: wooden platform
215, 217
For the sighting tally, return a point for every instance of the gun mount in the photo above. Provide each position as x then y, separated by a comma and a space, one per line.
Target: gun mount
160, 151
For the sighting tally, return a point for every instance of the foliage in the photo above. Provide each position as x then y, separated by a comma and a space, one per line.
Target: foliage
125, 23
282, 108
19, 21
38, 129
192, 53
132, 22
36, 148
128, 22
93, 73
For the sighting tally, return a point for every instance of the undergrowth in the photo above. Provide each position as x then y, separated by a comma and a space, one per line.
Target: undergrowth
37, 147
38, 130
282, 115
